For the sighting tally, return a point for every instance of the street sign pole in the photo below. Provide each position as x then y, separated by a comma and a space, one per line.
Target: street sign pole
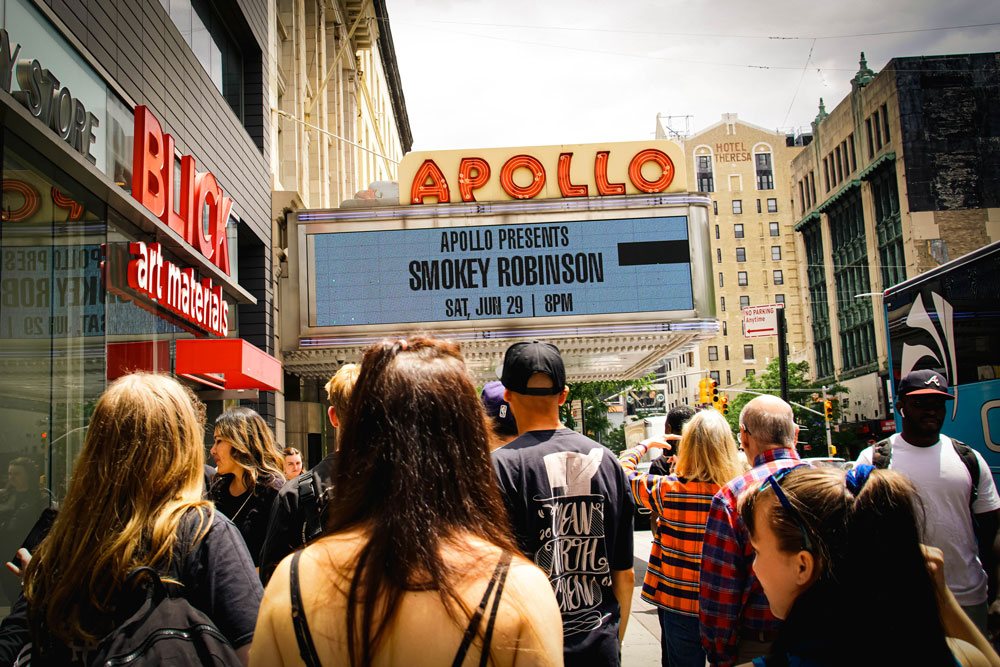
829, 436
782, 355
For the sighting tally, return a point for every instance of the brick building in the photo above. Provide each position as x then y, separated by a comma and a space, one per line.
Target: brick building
901, 176
744, 168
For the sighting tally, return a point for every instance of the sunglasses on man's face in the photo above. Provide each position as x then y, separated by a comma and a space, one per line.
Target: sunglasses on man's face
773, 481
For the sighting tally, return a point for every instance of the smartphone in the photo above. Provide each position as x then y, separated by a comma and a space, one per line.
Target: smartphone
37, 532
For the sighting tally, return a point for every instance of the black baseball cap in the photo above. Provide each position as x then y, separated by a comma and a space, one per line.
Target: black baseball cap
524, 359
923, 382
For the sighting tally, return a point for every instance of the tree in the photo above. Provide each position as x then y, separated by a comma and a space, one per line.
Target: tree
592, 396
813, 426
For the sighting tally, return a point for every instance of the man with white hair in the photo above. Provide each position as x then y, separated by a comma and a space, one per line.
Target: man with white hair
736, 622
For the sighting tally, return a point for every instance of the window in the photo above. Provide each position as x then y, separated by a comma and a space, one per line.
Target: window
714, 375
725, 329
726, 348
812, 186
802, 198
720, 279
715, 207
217, 52
871, 144
847, 162
742, 278
765, 172
779, 279
718, 255
706, 181
776, 252
716, 231
729, 377
773, 229
885, 122
744, 302
836, 154
713, 352
738, 231
750, 373
741, 254
748, 353
737, 206
772, 205
758, 206
779, 298
826, 173
722, 303
854, 156
878, 131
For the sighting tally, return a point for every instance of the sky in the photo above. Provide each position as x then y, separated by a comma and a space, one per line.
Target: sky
494, 73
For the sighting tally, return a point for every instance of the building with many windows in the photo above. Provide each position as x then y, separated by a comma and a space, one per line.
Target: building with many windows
339, 123
903, 175
744, 168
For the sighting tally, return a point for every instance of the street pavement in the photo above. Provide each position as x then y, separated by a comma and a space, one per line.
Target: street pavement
642, 634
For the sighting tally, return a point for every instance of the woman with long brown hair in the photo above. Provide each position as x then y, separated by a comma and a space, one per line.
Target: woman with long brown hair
418, 565
250, 474
707, 460
135, 499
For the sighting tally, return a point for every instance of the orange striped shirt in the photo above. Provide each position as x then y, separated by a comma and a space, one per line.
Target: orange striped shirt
681, 507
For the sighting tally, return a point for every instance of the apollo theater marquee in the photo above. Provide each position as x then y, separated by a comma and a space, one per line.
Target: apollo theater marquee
598, 248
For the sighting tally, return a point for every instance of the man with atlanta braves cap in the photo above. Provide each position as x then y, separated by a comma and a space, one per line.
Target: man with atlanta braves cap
959, 497
570, 506
501, 417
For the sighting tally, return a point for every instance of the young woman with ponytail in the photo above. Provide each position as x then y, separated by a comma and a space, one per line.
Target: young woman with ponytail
840, 558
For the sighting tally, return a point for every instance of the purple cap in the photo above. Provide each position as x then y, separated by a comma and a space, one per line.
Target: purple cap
496, 407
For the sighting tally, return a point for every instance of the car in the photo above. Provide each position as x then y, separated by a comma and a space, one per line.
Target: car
642, 516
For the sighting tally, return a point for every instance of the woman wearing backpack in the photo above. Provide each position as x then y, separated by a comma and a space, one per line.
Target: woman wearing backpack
418, 565
249, 474
135, 499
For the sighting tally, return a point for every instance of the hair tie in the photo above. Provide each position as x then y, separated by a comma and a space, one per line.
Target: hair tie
857, 477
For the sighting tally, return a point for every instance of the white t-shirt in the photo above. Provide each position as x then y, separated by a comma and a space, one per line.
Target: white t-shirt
944, 485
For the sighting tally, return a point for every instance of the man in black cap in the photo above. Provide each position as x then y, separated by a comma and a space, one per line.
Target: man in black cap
570, 505
955, 484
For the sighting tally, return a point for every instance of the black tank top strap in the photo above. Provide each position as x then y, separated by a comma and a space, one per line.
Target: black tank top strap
307, 649
497, 580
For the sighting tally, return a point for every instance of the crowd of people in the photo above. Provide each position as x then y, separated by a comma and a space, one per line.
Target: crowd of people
454, 526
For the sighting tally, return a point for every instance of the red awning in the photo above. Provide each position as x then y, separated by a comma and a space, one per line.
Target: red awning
227, 363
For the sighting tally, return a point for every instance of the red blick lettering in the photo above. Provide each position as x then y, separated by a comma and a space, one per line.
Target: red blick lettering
221, 242
604, 188
651, 155
562, 177
469, 181
147, 174
437, 187
537, 176
207, 191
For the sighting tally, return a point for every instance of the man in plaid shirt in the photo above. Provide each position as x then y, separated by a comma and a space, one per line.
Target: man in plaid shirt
736, 623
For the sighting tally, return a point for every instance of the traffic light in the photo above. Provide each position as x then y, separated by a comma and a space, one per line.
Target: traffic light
833, 450
703, 391
713, 391
828, 409
724, 405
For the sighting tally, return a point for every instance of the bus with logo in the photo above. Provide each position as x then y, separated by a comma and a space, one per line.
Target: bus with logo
948, 320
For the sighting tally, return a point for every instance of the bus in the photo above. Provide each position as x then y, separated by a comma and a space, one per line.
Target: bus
948, 320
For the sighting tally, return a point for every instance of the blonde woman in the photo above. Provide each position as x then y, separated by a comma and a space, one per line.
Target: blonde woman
135, 499
707, 459
250, 474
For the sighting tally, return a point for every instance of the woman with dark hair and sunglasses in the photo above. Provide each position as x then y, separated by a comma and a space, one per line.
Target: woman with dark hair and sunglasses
840, 559
418, 564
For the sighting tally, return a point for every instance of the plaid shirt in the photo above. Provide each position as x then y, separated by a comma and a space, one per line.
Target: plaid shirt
675, 557
730, 596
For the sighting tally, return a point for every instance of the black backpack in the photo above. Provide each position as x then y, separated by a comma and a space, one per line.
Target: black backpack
313, 500
162, 630
882, 455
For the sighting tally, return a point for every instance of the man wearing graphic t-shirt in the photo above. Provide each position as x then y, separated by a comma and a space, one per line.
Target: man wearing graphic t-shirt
570, 506
930, 460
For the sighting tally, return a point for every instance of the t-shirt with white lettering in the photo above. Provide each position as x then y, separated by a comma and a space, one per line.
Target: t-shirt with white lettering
571, 508
944, 485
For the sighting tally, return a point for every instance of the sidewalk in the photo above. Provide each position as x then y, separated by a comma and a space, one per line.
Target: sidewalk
642, 635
